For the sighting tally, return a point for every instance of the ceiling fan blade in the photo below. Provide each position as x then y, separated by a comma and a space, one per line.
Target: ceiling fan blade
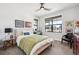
38, 10
47, 9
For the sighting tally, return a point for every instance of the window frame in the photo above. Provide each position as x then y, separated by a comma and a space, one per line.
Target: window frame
36, 20
52, 19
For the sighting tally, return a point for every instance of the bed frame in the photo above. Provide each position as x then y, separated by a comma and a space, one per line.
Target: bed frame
39, 50
42, 48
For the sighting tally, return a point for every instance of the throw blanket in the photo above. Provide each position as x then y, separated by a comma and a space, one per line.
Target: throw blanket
27, 43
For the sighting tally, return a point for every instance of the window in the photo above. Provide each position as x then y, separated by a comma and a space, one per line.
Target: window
53, 25
57, 26
48, 25
35, 24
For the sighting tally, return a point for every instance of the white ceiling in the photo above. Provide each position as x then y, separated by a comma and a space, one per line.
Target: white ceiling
55, 7
30, 8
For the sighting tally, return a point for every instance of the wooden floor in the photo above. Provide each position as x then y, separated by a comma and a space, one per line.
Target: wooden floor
56, 49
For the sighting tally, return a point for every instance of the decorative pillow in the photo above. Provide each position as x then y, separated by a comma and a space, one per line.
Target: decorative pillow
26, 33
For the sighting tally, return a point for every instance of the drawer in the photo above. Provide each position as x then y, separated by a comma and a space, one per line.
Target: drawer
74, 51
74, 47
77, 52
78, 49
77, 39
77, 42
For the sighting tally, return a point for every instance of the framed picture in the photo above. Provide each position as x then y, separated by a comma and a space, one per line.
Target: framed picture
28, 24
70, 23
69, 26
19, 24
77, 27
77, 23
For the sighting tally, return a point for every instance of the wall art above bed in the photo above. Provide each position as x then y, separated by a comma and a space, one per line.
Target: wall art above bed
28, 24
19, 24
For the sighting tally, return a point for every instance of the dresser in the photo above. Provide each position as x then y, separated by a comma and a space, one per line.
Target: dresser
76, 44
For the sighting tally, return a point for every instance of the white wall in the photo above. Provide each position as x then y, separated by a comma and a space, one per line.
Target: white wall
67, 14
10, 12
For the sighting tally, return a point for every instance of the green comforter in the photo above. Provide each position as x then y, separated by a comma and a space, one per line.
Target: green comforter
27, 43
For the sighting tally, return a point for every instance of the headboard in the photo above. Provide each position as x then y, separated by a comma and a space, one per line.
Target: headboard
20, 32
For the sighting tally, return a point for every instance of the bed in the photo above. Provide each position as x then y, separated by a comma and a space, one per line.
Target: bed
33, 44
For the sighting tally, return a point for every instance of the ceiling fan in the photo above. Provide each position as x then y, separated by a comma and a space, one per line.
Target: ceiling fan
42, 7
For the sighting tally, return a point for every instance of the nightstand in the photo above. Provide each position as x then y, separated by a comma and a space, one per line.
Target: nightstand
9, 43
13, 42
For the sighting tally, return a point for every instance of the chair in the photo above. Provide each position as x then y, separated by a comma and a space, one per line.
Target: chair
68, 38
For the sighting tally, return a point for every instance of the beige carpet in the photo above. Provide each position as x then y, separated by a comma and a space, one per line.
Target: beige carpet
56, 49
